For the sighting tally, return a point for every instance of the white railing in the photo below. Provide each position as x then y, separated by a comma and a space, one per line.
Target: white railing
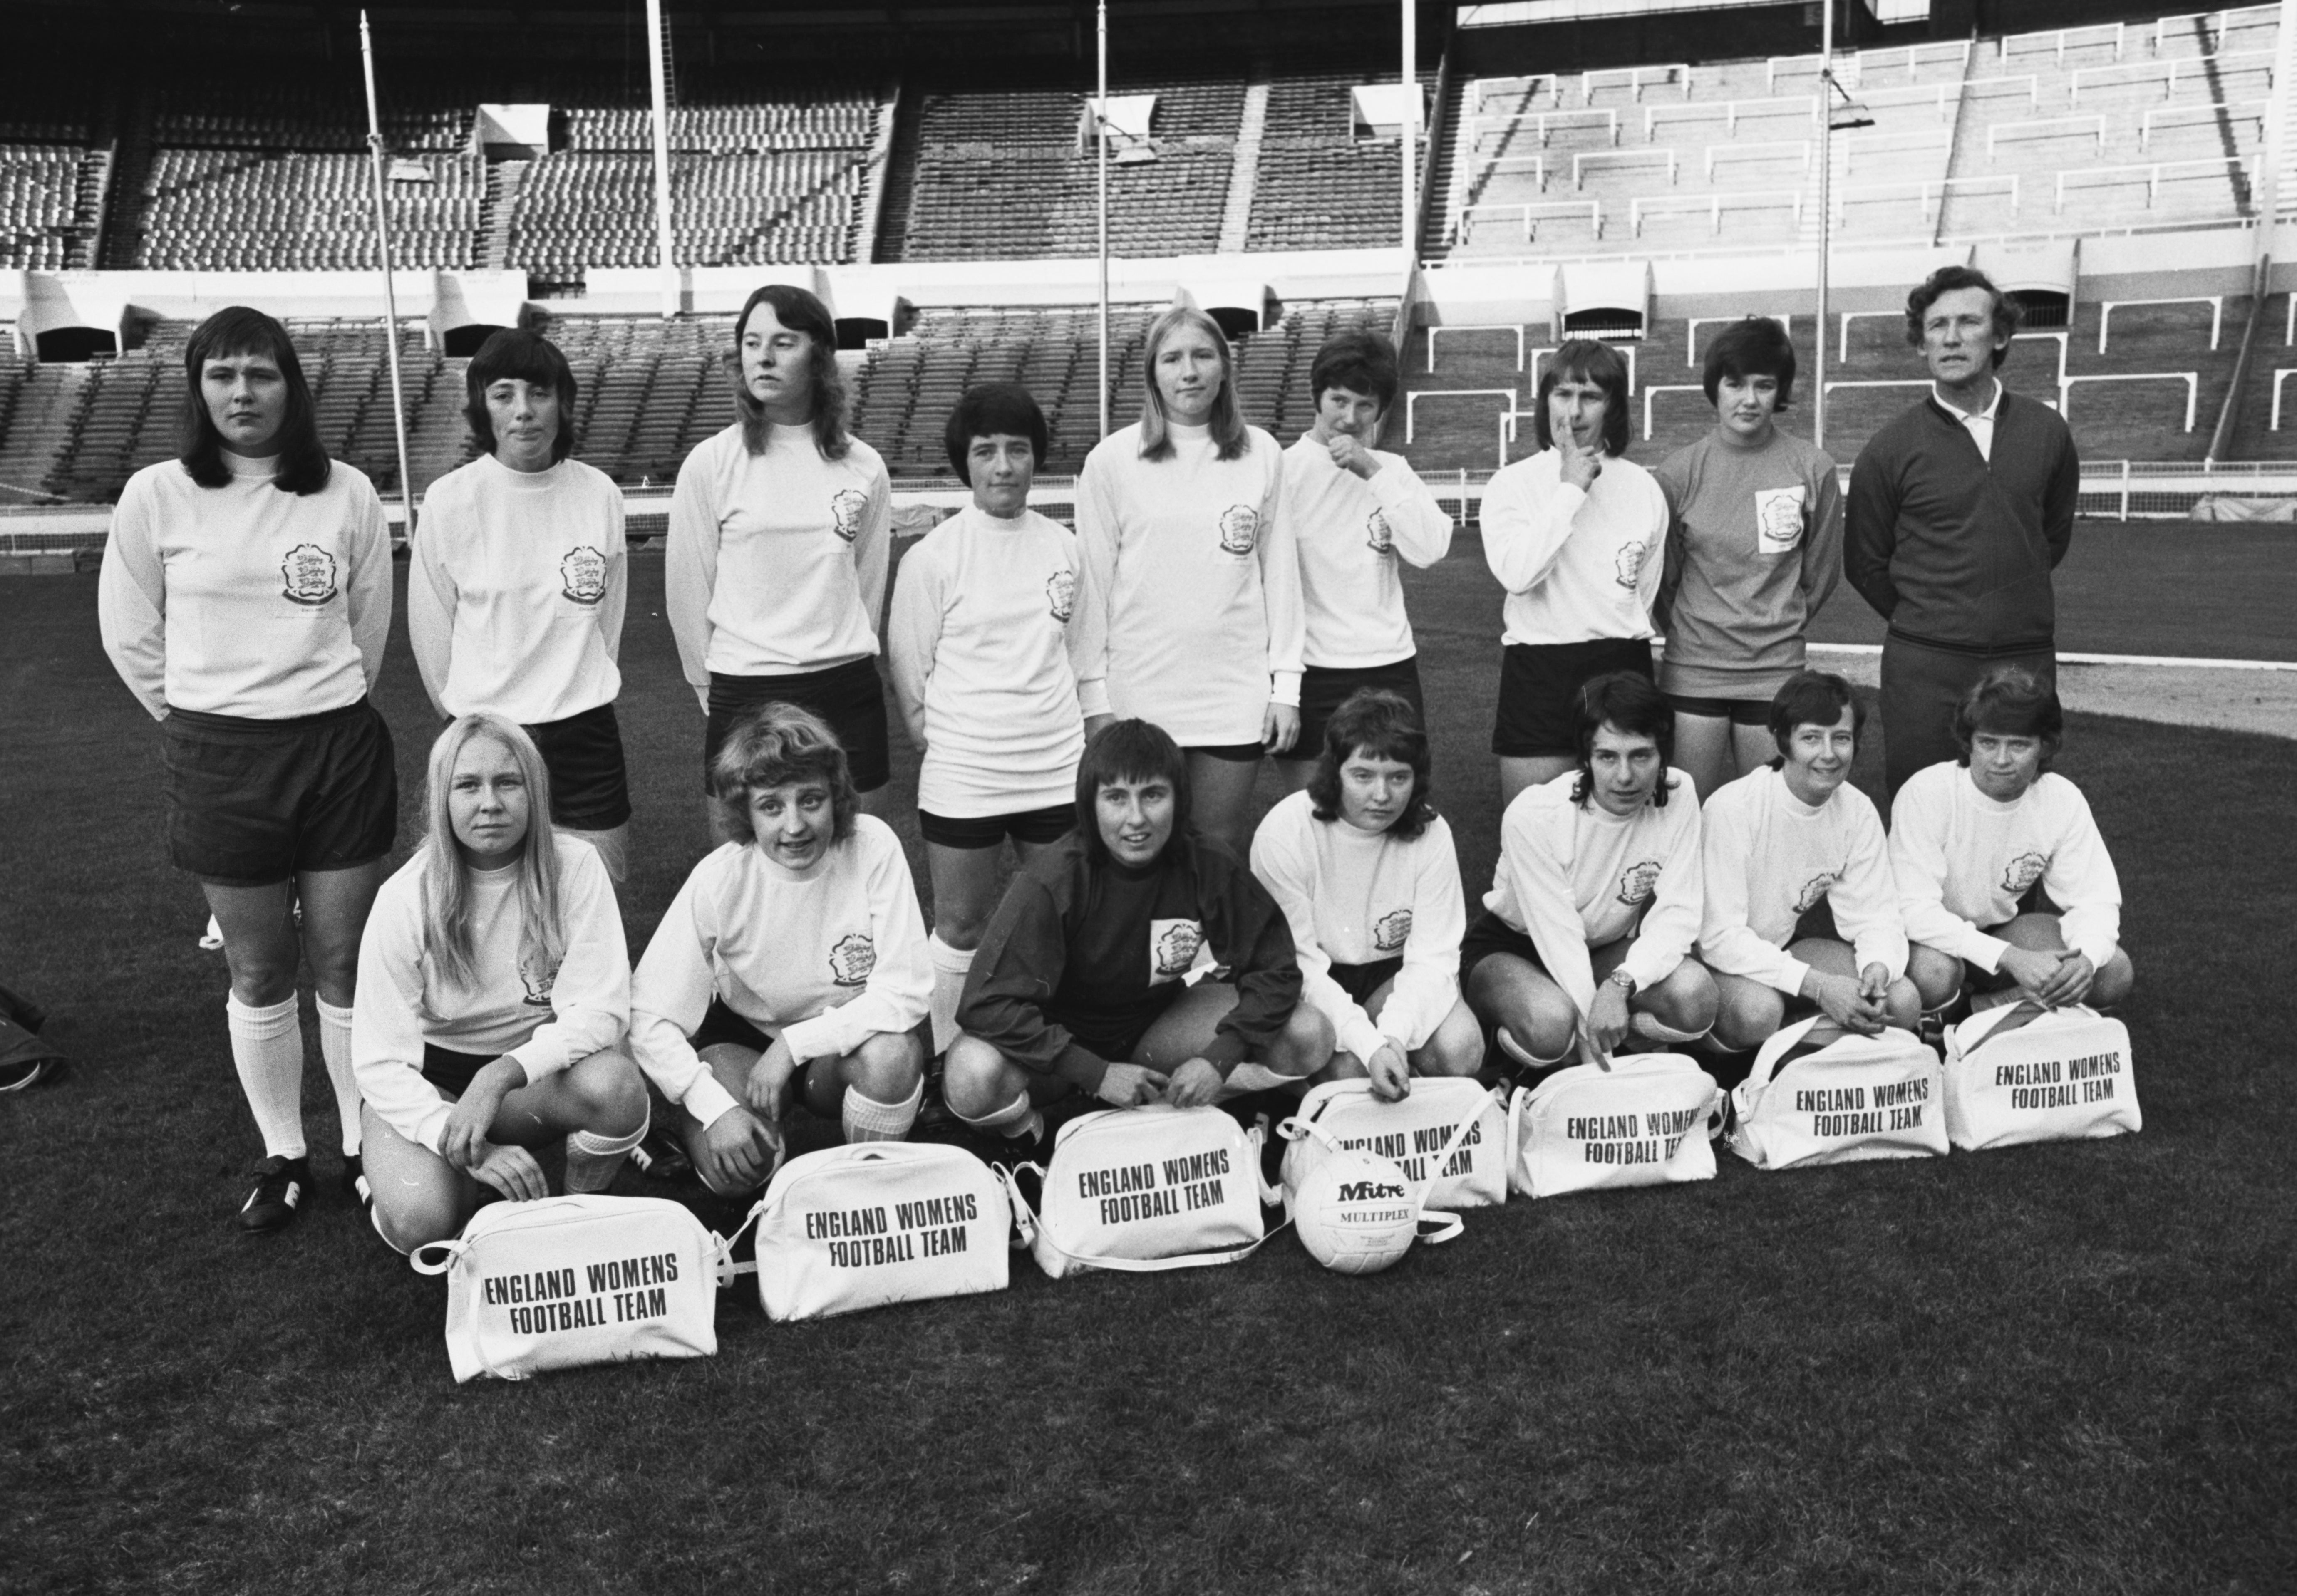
1865, 62
1509, 328
2190, 378
1531, 378
2108, 177
2241, 111
1892, 147
1691, 324
1783, 148
1411, 403
1793, 63
2216, 302
1487, 89
1932, 191
1543, 123
1527, 211
2167, 67
1651, 393
2049, 128
1634, 78
1883, 99
2219, 22
2098, 33
1623, 158
1714, 204
2013, 83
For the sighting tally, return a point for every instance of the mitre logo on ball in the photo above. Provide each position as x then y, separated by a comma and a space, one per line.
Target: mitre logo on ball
1354, 1213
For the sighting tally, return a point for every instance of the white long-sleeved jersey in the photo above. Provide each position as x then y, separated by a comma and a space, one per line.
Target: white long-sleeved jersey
980, 646
824, 959
1350, 532
519, 582
1574, 876
548, 1019
1355, 897
775, 562
1577, 565
1963, 860
242, 600
1770, 858
1187, 587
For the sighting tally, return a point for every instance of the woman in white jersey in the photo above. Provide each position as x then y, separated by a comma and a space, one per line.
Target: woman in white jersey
244, 600
1576, 535
792, 961
979, 643
515, 604
1355, 512
780, 530
1585, 936
1364, 870
2005, 881
494, 992
1188, 586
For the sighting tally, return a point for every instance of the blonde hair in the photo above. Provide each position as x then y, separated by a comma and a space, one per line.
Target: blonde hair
446, 873
1226, 421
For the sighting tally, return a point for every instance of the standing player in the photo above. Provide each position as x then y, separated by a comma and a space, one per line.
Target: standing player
1364, 870
1355, 510
1081, 983
1188, 585
1576, 535
780, 530
1755, 551
1587, 932
980, 642
2006, 884
1801, 912
792, 960
494, 991
514, 604
244, 600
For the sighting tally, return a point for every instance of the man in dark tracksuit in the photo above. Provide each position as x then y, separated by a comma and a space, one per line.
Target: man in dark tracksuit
1960, 508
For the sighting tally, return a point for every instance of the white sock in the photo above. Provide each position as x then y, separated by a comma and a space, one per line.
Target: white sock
1249, 1076
266, 1047
1522, 1055
866, 1119
336, 1048
950, 965
593, 1159
1652, 1029
1016, 1119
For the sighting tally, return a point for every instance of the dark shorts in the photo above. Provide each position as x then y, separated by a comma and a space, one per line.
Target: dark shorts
720, 1024
850, 698
1977, 978
1487, 934
451, 1072
1539, 689
1323, 689
251, 802
1116, 1036
1034, 826
1360, 980
1235, 754
1738, 712
590, 785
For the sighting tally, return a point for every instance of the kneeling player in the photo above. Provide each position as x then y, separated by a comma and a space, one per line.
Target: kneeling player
794, 958
493, 994
1363, 868
1800, 908
1587, 932
1079, 985
2003, 882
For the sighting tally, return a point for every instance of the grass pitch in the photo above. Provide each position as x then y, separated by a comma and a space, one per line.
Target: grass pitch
2065, 1368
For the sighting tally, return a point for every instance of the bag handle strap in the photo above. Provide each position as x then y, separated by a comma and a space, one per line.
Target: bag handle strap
1451, 1146
2024, 1012
1032, 1230
1779, 1045
724, 1270
450, 1250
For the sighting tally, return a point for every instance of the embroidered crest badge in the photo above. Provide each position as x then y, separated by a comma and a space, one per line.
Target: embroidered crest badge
309, 573
845, 507
1060, 593
1240, 529
1778, 519
1629, 562
851, 957
582, 575
1639, 882
1815, 889
538, 993
1391, 930
1377, 534
2023, 872
1173, 947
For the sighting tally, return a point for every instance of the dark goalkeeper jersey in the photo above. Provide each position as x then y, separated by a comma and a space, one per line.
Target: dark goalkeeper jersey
1080, 944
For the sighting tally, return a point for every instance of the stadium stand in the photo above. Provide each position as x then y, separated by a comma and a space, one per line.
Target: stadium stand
53, 181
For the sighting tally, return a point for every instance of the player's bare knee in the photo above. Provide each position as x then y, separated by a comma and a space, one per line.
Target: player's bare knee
887, 1065
1457, 1047
959, 928
1748, 1014
1903, 1001
973, 1081
1686, 1000
412, 1220
1305, 1046
2035, 932
1937, 976
611, 1092
2110, 985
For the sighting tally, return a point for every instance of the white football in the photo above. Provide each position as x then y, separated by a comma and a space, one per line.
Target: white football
1356, 1213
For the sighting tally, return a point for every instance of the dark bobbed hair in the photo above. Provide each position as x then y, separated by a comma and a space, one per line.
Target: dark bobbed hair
528, 358
1226, 422
799, 312
1632, 704
1587, 360
1756, 347
1813, 698
988, 408
776, 744
1361, 362
302, 465
1945, 281
2011, 701
1382, 724
1130, 751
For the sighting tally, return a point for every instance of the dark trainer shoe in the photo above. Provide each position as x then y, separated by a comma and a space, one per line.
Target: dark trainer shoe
353, 1181
281, 1185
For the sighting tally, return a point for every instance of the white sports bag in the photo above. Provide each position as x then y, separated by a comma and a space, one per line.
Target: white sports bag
1647, 1120
562, 1281
1858, 1097
2023, 1073
1410, 1134
873, 1223
1147, 1188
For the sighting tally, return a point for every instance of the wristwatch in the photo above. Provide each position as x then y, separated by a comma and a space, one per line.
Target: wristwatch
1623, 982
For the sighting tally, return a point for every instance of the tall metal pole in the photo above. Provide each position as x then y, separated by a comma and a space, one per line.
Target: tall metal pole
1825, 212
1101, 146
1411, 131
390, 292
661, 160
